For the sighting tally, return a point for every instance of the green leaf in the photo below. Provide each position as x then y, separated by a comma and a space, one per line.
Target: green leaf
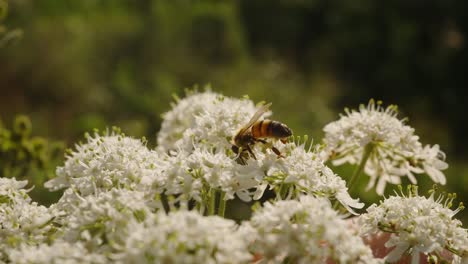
3, 9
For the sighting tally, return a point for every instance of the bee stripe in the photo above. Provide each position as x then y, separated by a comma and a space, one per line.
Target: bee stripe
256, 129
265, 128
270, 128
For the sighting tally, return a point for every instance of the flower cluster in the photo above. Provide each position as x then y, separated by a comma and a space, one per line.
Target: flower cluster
417, 225
195, 145
307, 230
207, 120
105, 162
123, 202
302, 170
100, 221
193, 174
58, 252
388, 148
185, 237
195, 139
21, 220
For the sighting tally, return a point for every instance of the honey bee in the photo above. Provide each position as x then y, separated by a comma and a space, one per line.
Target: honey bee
256, 131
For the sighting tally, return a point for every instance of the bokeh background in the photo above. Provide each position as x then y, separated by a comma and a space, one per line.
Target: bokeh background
71, 66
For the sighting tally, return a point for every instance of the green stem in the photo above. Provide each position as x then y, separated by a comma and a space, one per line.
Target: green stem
282, 191
222, 204
170, 203
290, 260
285, 191
336, 204
212, 202
365, 157
198, 207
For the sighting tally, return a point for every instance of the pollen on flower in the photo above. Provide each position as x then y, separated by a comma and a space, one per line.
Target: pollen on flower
394, 149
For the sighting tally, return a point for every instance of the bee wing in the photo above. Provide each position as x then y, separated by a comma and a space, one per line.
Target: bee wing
255, 117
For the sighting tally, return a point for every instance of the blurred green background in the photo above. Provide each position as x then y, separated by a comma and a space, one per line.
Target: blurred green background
90, 64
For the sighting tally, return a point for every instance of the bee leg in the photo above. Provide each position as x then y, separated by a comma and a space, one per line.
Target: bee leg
277, 152
284, 140
235, 149
251, 152
241, 160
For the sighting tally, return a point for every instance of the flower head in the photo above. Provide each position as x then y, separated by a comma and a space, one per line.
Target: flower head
395, 151
201, 157
191, 175
58, 252
195, 145
307, 230
100, 221
12, 191
302, 171
417, 225
21, 220
205, 119
105, 162
185, 237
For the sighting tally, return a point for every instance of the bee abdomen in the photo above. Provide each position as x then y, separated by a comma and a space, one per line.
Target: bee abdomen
279, 130
269, 128
257, 128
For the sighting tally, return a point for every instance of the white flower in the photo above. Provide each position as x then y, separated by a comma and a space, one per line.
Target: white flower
100, 221
182, 117
432, 161
302, 171
12, 191
190, 174
58, 252
222, 172
395, 151
305, 231
417, 224
177, 178
195, 140
21, 220
185, 237
106, 162
205, 119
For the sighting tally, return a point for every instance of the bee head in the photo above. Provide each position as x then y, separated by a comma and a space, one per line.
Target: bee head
243, 139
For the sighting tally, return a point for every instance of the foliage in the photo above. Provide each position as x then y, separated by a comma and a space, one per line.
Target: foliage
27, 157
6, 35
